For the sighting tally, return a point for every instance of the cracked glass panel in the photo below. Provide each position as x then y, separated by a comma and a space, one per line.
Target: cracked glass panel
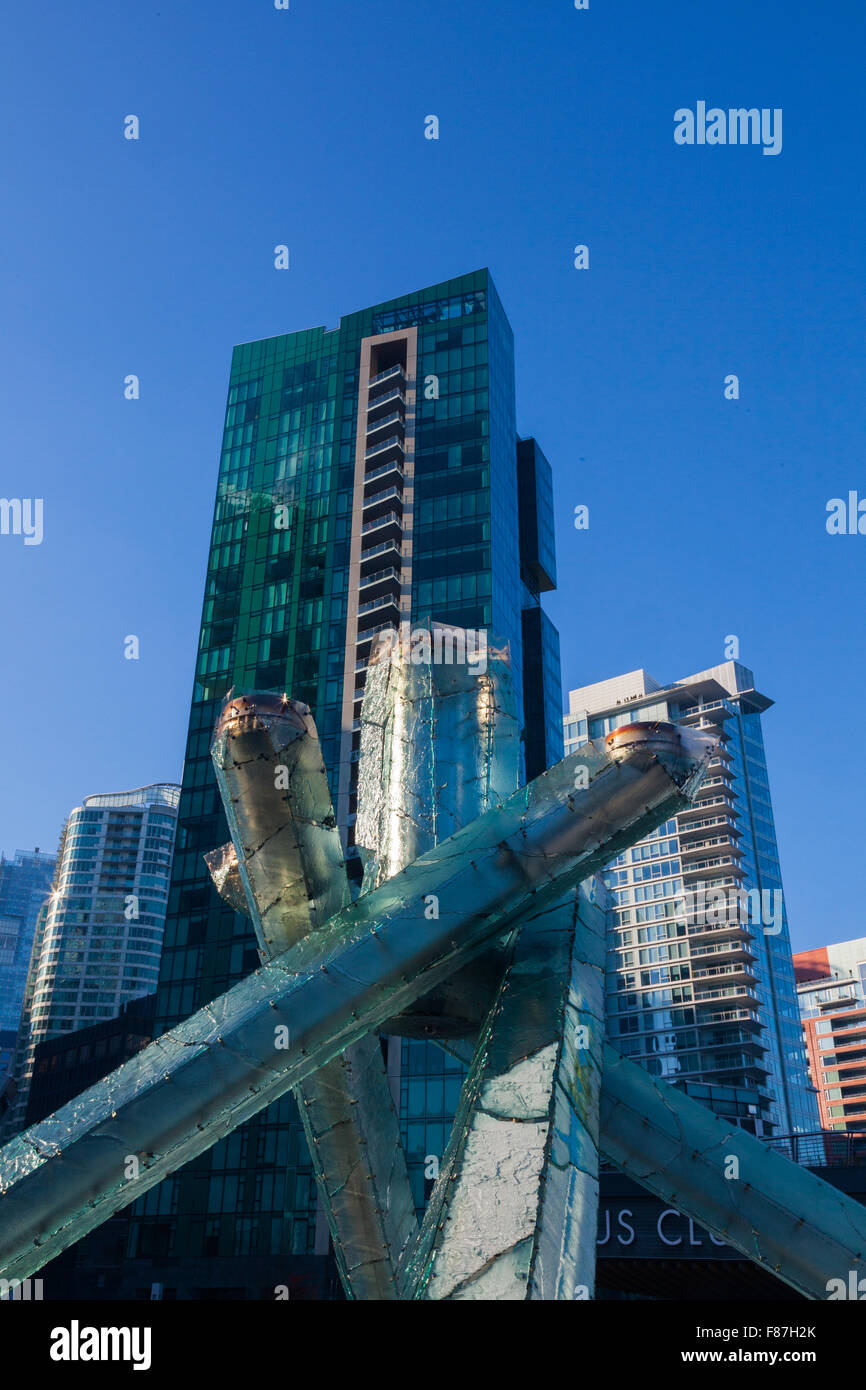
775, 1212
515, 1207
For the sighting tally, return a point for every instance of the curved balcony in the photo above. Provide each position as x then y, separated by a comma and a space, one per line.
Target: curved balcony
700, 808
701, 846
708, 868
720, 931
723, 950
732, 992
704, 826
722, 974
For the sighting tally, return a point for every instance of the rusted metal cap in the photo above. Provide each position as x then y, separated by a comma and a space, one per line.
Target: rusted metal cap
242, 711
655, 736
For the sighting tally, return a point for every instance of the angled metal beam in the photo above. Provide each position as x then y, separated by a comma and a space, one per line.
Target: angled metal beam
774, 1212
353, 1135
289, 858
514, 1213
274, 788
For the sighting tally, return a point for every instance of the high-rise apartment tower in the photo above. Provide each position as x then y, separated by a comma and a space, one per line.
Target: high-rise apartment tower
700, 977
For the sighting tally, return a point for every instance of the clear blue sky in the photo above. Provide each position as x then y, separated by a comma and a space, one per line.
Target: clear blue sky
260, 127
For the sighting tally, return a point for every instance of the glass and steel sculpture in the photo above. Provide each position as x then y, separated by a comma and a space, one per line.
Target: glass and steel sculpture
477, 927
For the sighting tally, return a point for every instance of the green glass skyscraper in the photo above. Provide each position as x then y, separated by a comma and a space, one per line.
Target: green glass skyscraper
371, 475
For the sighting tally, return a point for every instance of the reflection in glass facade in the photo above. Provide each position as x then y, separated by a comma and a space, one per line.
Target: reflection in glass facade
25, 882
369, 476
709, 1004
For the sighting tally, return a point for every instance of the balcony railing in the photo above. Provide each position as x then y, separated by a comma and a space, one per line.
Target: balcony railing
705, 806
380, 549
728, 1016
389, 519
379, 576
715, 971
392, 466
709, 823
369, 632
395, 418
721, 948
711, 881
690, 710
822, 1148
376, 497
708, 928
713, 866
387, 601
697, 846
388, 372
734, 992
394, 441
395, 395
